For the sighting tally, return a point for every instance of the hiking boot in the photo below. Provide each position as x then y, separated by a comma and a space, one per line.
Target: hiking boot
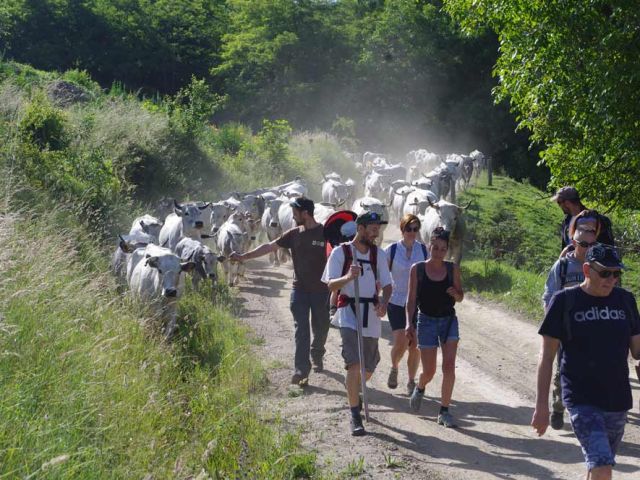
411, 385
416, 399
557, 420
392, 381
357, 429
446, 420
318, 365
299, 379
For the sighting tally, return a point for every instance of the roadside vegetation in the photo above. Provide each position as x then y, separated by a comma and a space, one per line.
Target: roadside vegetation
90, 389
513, 239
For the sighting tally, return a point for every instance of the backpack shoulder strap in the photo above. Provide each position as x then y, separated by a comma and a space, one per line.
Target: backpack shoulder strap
564, 263
449, 266
569, 302
424, 250
392, 254
627, 303
348, 258
373, 258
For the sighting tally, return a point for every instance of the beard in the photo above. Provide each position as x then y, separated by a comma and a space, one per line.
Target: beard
368, 242
299, 222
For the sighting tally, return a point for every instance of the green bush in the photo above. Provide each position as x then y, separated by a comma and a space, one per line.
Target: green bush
230, 137
43, 125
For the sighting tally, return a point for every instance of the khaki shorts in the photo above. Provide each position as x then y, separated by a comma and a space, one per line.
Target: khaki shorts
350, 350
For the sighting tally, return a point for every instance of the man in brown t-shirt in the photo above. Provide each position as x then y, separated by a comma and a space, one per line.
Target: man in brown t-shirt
309, 293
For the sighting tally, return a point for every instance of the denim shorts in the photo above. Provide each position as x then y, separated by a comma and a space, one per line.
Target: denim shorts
598, 432
434, 331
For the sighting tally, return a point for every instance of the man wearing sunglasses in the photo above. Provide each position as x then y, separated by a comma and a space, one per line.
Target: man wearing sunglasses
567, 272
597, 324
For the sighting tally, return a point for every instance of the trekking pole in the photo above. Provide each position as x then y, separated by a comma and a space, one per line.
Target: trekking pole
363, 378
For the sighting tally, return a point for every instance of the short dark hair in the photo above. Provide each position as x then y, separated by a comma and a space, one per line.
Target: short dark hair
303, 203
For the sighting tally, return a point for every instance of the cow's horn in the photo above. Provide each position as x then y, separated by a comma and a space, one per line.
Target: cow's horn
467, 205
205, 206
433, 205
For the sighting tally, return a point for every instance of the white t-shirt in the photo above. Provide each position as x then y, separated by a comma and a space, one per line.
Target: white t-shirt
401, 268
345, 317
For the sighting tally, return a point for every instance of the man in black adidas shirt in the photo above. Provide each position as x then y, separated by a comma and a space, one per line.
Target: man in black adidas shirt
596, 323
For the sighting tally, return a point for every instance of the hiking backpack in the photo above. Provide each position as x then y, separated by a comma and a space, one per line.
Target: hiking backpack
394, 248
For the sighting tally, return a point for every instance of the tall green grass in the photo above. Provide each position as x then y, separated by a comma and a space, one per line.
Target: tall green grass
90, 390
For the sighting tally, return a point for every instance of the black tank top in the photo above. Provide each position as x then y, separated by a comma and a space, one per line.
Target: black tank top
432, 297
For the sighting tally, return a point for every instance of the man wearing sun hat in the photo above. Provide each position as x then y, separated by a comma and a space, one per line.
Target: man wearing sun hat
596, 324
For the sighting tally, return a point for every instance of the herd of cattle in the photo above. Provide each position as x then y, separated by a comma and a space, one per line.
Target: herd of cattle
192, 238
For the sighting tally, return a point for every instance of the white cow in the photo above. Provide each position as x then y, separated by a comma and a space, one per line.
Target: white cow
334, 191
332, 176
418, 201
466, 171
271, 225
147, 224
232, 237
370, 159
351, 189
155, 278
126, 246
370, 204
479, 161
450, 217
220, 212
393, 172
376, 185
185, 221
323, 210
205, 261
399, 199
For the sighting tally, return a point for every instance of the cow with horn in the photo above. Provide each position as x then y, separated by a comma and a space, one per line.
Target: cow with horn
450, 217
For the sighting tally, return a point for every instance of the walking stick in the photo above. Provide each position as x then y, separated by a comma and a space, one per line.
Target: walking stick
363, 377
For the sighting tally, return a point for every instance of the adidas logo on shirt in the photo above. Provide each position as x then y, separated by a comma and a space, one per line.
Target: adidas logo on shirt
595, 313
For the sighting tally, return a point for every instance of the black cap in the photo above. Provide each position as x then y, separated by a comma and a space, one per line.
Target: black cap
370, 218
604, 255
302, 203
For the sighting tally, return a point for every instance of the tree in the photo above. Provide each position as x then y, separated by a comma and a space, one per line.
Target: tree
571, 71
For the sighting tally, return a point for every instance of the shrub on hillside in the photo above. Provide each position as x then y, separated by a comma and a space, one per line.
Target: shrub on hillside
43, 125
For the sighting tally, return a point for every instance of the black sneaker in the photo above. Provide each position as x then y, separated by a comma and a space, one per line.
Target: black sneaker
357, 429
557, 420
318, 365
299, 379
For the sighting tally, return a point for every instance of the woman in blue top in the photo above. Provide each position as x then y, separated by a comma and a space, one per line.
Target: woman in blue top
402, 255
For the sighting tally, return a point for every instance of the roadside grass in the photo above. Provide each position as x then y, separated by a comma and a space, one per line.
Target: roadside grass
513, 239
90, 390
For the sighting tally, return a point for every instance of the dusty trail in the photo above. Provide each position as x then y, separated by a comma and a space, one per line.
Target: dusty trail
492, 401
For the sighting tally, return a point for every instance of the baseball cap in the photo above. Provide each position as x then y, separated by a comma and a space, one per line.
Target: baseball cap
370, 218
566, 193
604, 255
302, 203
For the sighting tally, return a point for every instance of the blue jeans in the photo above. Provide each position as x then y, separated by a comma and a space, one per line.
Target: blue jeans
302, 304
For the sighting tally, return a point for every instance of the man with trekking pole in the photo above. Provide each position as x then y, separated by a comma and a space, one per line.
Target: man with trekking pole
358, 270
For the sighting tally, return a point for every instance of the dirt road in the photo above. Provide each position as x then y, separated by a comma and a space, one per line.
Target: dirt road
492, 401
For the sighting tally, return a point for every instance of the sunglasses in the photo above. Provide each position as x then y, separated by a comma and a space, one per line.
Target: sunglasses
412, 229
607, 273
584, 244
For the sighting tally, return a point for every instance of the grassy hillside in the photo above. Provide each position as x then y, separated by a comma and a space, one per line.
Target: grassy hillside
514, 238
90, 390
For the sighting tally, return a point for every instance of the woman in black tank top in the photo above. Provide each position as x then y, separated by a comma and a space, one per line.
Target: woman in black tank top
434, 288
